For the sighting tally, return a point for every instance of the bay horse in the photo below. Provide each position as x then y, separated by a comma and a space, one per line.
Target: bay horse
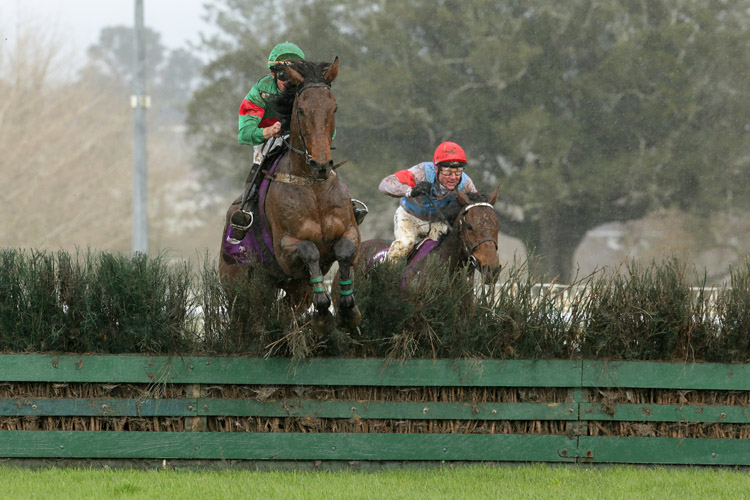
305, 215
472, 240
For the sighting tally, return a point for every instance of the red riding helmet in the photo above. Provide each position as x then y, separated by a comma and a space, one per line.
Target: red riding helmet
449, 152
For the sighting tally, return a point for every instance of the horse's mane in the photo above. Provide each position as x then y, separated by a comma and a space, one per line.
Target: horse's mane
453, 209
312, 72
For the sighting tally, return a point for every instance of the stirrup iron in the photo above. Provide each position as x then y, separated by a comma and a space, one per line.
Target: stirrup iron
360, 210
240, 225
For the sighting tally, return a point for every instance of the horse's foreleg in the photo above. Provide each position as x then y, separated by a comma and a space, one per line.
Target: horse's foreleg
309, 254
345, 251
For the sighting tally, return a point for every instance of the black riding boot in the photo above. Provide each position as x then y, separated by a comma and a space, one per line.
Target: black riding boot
243, 218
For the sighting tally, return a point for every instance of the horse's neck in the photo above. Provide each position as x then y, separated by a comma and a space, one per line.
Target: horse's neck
450, 246
296, 164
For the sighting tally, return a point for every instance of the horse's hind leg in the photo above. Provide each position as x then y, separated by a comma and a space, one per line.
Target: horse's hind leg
308, 252
348, 312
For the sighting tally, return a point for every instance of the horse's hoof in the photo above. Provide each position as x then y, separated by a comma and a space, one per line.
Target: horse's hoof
321, 301
349, 318
346, 302
322, 321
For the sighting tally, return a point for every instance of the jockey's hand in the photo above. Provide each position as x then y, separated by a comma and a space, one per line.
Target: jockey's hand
420, 189
272, 131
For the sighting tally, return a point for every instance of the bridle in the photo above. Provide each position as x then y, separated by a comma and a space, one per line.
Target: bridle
304, 154
465, 247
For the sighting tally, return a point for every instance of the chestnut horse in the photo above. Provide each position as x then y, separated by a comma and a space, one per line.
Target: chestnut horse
306, 213
472, 240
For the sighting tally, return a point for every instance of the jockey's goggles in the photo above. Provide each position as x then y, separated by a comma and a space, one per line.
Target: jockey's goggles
278, 70
451, 168
280, 75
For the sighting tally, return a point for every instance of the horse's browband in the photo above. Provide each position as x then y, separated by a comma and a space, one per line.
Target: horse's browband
311, 85
480, 204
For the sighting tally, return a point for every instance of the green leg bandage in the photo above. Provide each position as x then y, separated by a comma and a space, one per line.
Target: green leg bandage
317, 289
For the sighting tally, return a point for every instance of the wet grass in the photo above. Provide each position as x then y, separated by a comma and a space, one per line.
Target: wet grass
465, 482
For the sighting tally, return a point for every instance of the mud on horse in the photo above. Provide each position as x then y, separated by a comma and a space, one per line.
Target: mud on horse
306, 210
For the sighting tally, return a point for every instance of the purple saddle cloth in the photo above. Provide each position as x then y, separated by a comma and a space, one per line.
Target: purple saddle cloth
423, 249
257, 245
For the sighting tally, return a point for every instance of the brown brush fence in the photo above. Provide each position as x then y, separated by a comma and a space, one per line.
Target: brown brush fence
365, 411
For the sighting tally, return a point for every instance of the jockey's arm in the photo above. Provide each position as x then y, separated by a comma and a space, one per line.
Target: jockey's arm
398, 184
469, 186
253, 120
248, 130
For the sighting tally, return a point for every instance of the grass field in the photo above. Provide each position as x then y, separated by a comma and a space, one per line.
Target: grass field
465, 482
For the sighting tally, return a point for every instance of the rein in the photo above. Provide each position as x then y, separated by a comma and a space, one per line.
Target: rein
439, 212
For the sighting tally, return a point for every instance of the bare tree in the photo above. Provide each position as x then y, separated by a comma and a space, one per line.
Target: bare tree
66, 162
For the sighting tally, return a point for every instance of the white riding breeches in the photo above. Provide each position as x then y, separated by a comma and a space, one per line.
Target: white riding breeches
260, 151
408, 229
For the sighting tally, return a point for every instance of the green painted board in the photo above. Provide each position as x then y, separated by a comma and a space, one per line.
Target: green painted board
660, 375
321, 371
99, 407
285, 446
652, 450
371, 372
17, 407
666, 413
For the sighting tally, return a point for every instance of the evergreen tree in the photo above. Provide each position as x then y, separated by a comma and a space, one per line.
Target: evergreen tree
585, 112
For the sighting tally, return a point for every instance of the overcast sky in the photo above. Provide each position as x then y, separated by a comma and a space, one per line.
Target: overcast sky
178, 21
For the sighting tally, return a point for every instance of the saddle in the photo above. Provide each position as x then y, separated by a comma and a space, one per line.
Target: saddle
257, 244
421, 250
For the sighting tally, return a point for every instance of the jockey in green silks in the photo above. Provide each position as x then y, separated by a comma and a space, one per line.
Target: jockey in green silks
260, 127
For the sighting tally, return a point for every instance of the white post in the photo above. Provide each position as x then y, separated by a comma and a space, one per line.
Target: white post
139, 102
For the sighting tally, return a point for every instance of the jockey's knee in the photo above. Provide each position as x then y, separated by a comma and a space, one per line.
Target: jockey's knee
399, 250
437, 230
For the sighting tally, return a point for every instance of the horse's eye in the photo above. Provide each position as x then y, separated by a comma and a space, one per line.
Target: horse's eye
469, 227
335, 109
301, 111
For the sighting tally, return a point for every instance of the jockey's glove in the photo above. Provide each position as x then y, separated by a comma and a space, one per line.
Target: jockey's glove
420, 189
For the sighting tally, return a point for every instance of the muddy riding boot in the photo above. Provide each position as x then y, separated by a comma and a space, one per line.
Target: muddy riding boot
360, 211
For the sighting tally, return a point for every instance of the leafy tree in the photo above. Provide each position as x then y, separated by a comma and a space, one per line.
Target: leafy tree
112, 59
585, 112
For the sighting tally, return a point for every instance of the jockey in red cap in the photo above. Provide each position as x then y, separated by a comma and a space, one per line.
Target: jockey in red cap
417, 216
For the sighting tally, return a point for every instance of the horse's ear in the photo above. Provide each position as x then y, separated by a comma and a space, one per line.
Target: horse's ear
463, 199
332, 72
492, 198
293, 76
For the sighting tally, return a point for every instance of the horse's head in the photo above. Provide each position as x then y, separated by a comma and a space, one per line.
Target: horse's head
477, 227
312, 122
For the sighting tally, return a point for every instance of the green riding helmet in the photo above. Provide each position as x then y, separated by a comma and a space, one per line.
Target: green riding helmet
284, 51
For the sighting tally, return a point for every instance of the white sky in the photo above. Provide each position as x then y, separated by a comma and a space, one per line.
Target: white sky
178, 21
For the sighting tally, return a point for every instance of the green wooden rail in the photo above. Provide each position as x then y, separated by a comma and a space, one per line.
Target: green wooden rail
578, 377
